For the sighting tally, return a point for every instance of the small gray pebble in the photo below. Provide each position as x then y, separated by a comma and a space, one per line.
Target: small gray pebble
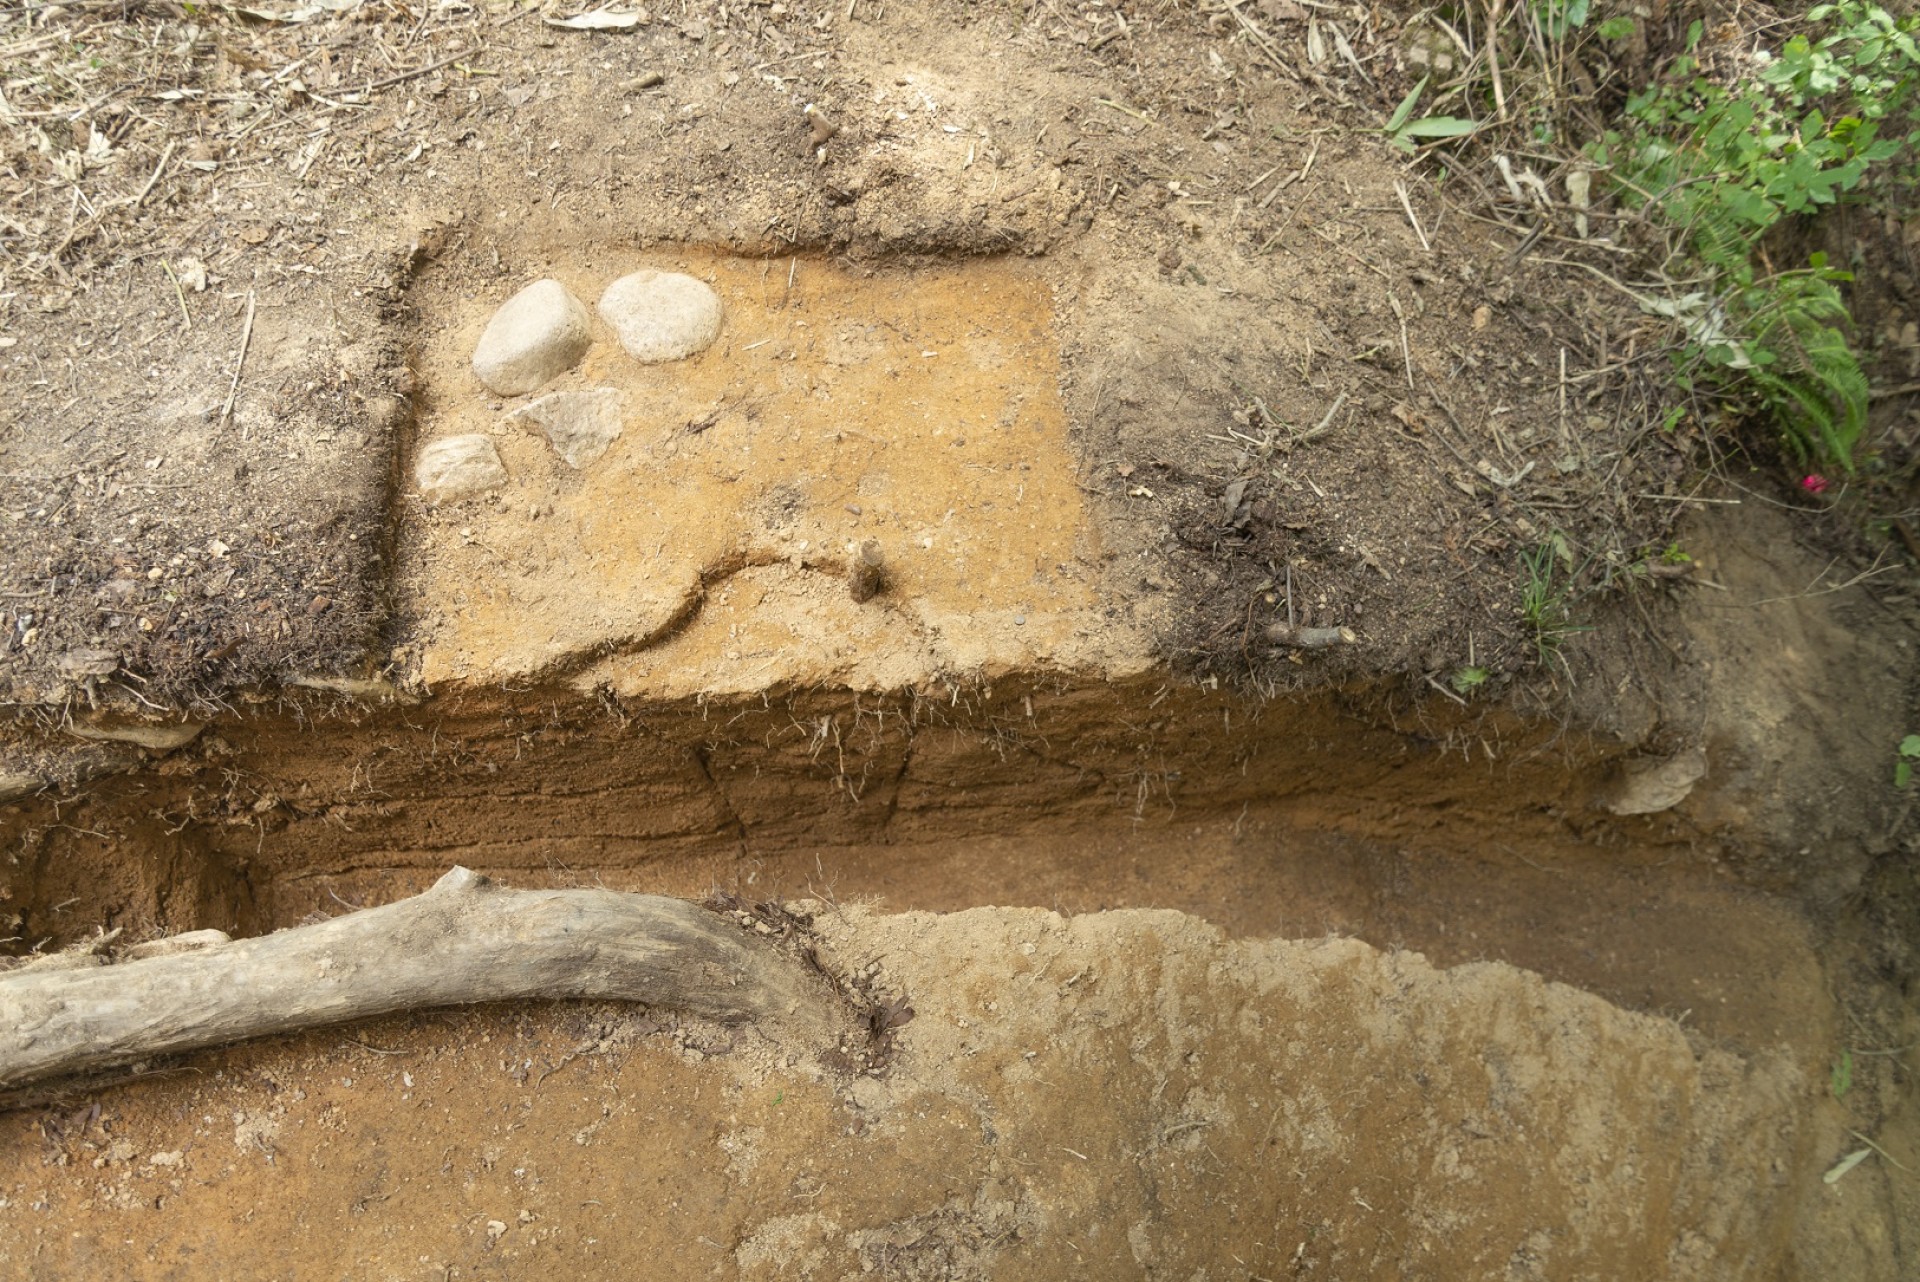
581, 425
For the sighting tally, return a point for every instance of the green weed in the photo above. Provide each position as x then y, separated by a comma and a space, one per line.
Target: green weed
1719, 167
1406, 133
1468, 679
1544, 603
1905, 756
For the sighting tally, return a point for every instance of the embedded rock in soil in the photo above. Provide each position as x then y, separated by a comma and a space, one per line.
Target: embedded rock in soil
536, 335
458, 466
661, 316
1649, 787
89, 663
581, 425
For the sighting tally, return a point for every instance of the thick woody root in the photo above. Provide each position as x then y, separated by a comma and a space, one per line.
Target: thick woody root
465, 940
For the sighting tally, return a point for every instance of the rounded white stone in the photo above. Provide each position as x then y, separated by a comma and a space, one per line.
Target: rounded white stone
456, 466
536, 335
661, 316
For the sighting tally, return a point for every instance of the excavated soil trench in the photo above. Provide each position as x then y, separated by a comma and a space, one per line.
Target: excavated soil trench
1291, 820
650, 675
649, 670
706, 553
1161, 1098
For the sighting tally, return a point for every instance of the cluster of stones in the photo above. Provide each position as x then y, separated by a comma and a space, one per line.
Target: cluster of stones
542, 332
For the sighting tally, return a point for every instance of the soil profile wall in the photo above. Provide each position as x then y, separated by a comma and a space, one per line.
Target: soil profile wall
225, 831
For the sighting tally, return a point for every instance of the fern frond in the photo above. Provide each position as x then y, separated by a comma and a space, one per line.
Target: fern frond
1814, 383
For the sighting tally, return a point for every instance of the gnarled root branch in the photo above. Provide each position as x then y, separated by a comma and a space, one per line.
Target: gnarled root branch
465, 940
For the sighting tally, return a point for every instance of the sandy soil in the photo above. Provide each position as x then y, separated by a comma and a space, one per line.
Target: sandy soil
1113, 1095
1125, 335
1308, 823
708, 551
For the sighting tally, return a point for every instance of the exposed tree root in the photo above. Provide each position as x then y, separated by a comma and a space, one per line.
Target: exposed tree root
465, 940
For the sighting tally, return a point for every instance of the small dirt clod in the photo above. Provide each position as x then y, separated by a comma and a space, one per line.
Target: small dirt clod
867, 574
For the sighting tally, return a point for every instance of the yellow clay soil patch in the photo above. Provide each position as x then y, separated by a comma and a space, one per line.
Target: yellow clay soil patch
707, 551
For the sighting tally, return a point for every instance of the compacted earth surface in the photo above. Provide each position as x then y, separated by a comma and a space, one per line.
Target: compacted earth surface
1202, 626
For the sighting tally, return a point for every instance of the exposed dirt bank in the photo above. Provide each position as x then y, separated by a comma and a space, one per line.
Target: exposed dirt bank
1115, 1095
1409, 825
1125, 339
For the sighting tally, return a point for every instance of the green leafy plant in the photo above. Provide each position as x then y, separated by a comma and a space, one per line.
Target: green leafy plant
1560, 18
1406, 133
1906, 755
1672, 561
1720, 166
1841, 1080
1468, 679
1544, 604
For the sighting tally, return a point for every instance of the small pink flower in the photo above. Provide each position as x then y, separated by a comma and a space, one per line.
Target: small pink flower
1814, 483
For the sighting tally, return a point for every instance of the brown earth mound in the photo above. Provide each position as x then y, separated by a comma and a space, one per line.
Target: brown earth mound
1122, 1094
